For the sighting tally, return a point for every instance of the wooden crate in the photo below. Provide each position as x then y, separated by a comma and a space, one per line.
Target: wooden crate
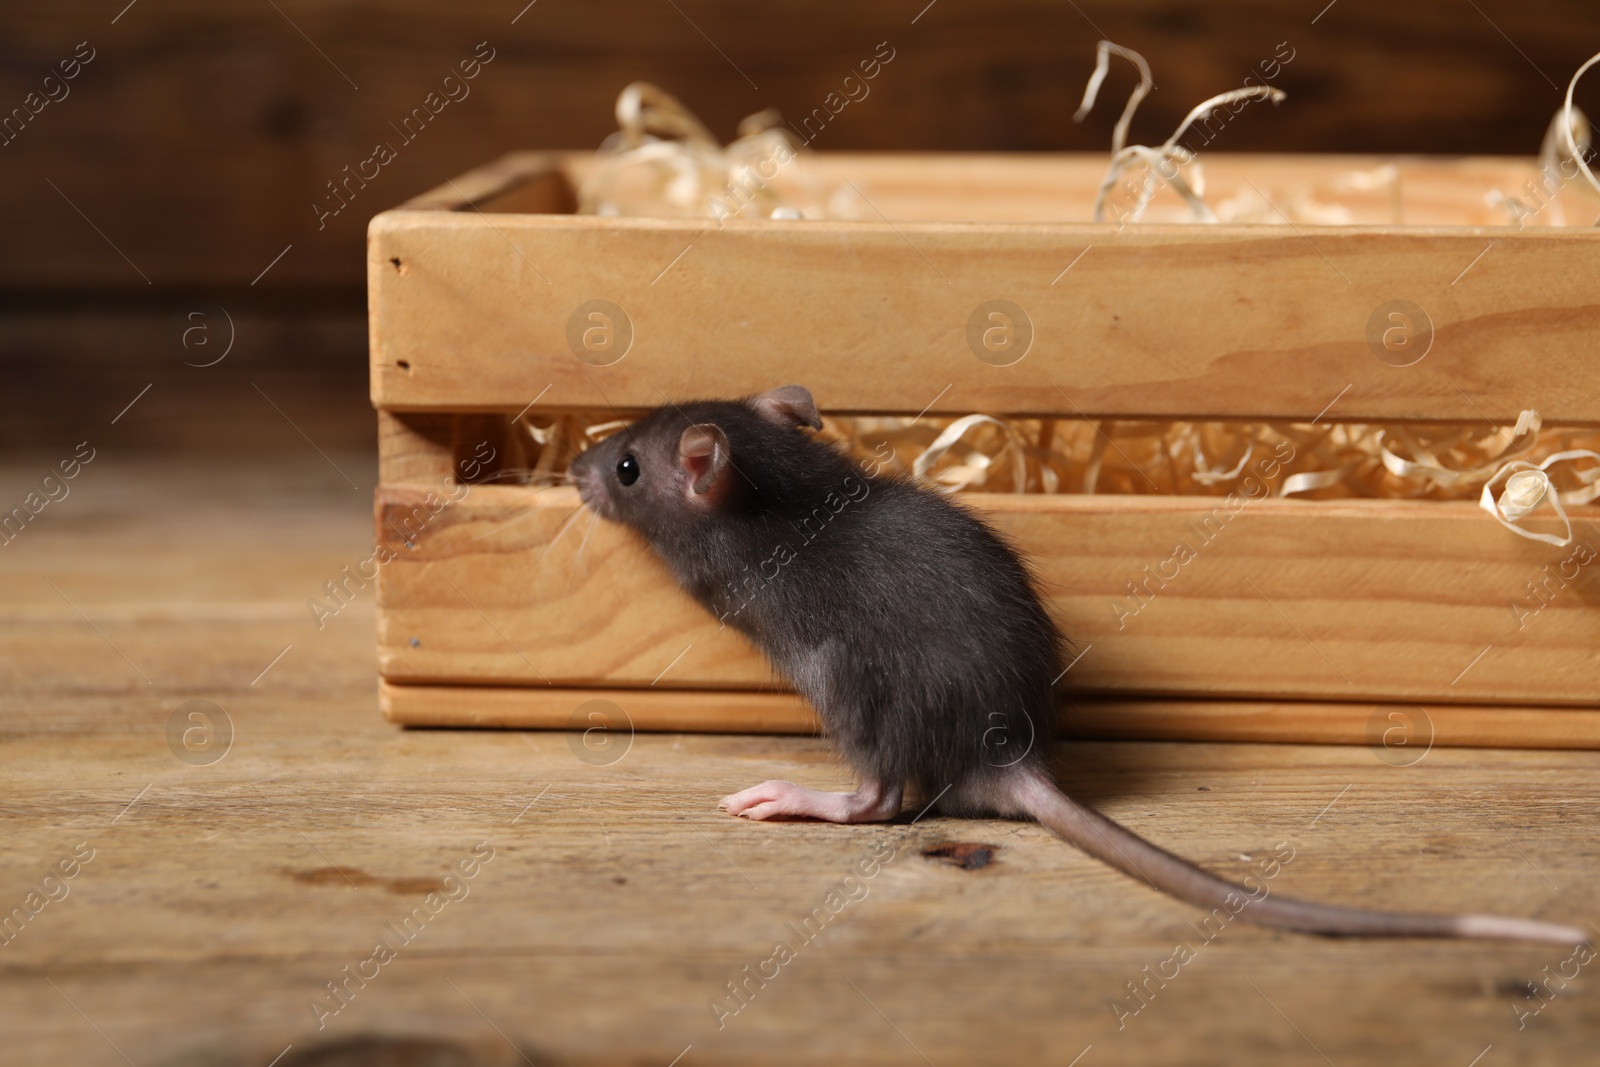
1338, 621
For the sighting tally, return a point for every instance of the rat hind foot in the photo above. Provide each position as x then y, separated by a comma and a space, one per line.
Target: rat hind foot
871, 802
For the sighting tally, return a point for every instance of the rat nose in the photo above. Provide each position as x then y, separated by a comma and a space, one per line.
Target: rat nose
591, 487
581, 469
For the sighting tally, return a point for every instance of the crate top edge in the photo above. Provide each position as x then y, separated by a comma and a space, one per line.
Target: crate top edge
482, 185
399, 220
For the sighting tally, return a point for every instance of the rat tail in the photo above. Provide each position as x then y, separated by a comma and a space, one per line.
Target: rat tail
1113, 844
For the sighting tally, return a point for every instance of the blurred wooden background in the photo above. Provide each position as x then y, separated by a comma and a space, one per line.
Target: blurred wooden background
188, 155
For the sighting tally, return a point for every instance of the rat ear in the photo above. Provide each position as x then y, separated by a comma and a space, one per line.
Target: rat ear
789, 405
703, 451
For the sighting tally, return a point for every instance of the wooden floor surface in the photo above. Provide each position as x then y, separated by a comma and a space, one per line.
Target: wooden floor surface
610, 903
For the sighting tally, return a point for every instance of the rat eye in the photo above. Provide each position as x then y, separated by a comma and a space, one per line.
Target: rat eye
628, 470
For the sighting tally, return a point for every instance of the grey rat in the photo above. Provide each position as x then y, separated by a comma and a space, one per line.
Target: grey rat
912, 627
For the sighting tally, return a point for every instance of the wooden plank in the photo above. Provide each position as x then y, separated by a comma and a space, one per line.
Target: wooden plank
176, 918
205, 119
1403, 733
1400, 734
616, 711
619, 900
1167, 321
1283, 599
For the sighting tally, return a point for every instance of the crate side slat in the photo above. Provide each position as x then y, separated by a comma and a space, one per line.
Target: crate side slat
1348, 600
622, 712
1162, 321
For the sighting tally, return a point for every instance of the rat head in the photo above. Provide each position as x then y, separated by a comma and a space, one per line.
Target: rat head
684, 462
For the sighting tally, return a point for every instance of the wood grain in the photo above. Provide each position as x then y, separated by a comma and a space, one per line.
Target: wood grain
1157, 320
1402, 732
1284, 599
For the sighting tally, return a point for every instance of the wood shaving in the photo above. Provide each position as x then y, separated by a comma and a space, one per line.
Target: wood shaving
1326, 461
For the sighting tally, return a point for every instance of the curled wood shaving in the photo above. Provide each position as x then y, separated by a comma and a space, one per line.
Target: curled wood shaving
662, 161
1167, 162
1570, 119
1567, 141
1528, 485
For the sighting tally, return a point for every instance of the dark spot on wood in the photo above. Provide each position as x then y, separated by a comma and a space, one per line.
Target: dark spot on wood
284, 118
1205, 789
332, 876
403, 364
1516, 987
619, 880
397, 266
407, 886
968, 855
368, 1051
356, 877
